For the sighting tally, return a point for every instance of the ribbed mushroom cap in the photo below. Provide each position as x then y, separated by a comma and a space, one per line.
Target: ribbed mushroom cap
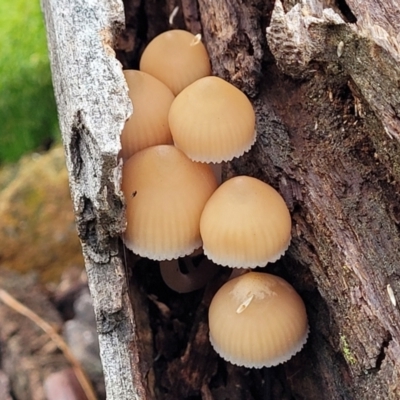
257, 320
148, 125
165, 193
212, 121
245, 224
176, 58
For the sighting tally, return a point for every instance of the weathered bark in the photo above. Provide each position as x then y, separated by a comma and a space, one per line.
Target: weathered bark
325, 86
93, 105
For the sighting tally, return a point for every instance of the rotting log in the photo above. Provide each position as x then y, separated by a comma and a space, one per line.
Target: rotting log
93, 105
324, 80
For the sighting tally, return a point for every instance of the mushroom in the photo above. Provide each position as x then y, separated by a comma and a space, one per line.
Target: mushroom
257, 320
188, 273
245, 224
176, 58
212, 121
165, 193
148, 125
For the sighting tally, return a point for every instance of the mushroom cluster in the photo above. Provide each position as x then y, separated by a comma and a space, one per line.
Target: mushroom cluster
186, 122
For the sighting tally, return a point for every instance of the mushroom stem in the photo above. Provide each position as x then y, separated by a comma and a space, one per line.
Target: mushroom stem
217, 169
238, 271
189, 273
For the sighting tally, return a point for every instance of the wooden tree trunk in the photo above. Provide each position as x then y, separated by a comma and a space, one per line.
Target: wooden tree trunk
324, 78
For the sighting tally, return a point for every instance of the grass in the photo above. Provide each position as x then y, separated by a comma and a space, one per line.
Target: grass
28, 119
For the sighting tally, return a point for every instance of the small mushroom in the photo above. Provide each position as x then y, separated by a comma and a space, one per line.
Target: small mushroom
165, 193
188, 273
257, 320
148, 125
245, 224
212, 121
176, 58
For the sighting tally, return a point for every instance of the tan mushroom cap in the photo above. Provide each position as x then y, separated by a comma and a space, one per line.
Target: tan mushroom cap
176, 58
212, 121
257, 320
148, 125
165, 193
245, 224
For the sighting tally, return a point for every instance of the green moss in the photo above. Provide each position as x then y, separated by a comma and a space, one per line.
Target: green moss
348, 355
27, 107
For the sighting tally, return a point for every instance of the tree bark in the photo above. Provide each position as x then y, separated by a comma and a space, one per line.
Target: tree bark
93, 105
324, 81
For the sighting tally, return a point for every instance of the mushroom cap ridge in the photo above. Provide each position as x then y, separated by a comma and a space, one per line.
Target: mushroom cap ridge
212, 121
165, 193
148, 125
177, 58
257, 320
245, 224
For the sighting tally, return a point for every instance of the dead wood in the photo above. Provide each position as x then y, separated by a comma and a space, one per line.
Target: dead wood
324, 79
